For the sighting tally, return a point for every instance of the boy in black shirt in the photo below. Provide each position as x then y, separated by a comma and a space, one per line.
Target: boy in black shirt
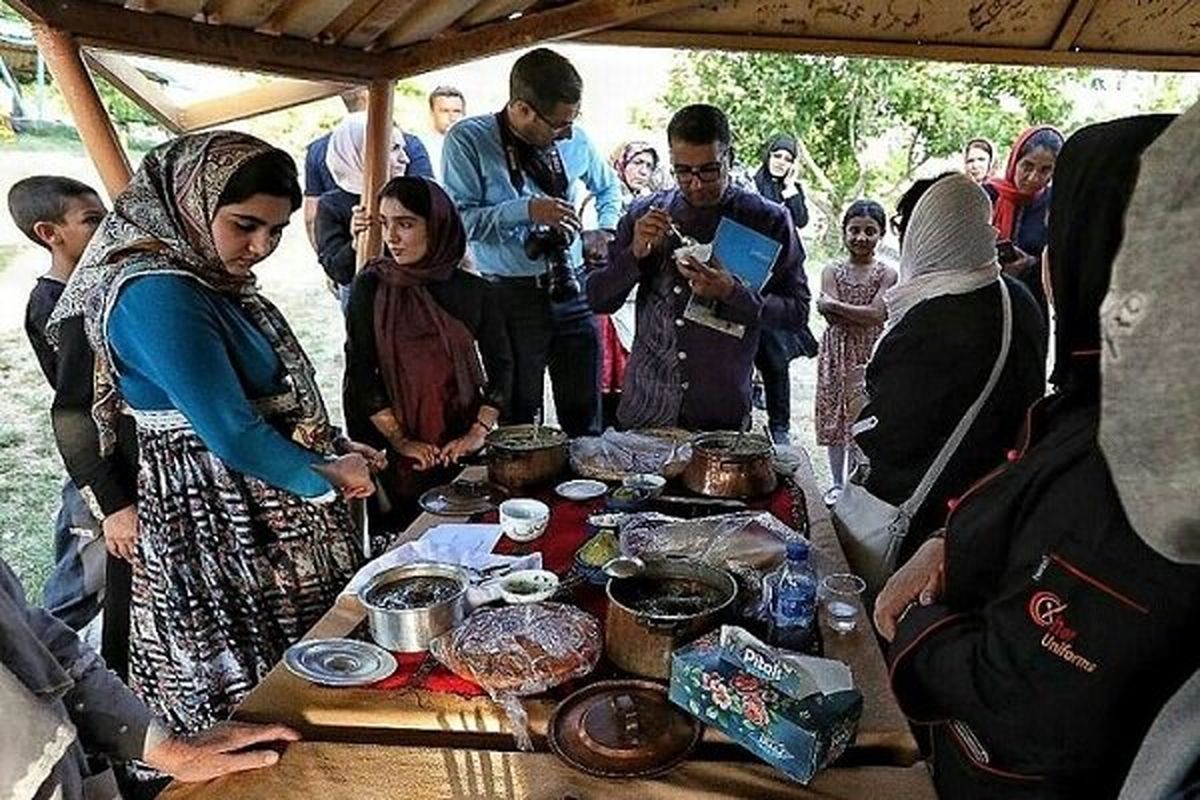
61, 214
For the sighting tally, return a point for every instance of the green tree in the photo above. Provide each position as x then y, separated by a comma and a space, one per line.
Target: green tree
867, 125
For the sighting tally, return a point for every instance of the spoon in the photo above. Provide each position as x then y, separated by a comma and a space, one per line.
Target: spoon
686, 240
623, 567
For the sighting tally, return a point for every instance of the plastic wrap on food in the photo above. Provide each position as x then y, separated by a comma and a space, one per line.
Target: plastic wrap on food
521, 650
618, 454
750, 544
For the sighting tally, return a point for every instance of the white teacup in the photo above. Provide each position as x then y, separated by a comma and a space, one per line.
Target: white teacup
700, 252
523, 519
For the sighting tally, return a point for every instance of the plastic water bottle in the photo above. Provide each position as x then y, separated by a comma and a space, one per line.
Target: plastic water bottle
794, 600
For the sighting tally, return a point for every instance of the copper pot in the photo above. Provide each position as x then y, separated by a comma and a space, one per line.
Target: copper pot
520, 456
672, 601
730, 464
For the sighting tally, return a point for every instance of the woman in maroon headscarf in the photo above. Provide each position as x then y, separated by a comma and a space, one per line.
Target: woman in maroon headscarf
1020, 202
417, 327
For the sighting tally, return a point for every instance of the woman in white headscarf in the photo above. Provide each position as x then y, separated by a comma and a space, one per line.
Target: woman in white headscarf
939, 346
340, 215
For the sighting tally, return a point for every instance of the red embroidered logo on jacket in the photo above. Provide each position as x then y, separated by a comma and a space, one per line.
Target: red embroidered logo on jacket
1047, 610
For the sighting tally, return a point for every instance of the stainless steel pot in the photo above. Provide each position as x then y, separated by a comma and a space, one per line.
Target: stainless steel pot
640, 634
729, 464
520, 456
410, 630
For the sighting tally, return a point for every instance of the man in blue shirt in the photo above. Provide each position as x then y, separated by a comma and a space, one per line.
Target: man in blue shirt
519, 172
318, 180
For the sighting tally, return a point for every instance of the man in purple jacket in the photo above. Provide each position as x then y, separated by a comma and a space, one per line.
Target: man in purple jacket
691, 366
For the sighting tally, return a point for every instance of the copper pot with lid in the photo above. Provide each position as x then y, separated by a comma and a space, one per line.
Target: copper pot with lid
520, 456
731, 464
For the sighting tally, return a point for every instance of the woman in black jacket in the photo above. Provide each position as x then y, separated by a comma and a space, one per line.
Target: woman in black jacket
937, 351
1041, 635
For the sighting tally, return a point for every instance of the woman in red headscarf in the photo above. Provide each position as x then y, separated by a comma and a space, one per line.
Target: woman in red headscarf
1020, 202
417, 329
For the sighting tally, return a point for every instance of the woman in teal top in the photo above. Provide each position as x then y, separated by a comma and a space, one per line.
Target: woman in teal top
244, 536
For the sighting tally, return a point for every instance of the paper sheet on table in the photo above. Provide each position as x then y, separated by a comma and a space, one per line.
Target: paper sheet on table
466, 544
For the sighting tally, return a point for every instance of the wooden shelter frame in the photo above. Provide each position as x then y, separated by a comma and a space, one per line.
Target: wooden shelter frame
318, 48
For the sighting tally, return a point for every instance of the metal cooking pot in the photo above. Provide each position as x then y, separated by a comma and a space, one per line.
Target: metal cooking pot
640, 631
410, 630
729, 464
520, 456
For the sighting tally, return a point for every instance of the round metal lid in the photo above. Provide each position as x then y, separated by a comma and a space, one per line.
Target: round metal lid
339, 662
462, 498
622, 729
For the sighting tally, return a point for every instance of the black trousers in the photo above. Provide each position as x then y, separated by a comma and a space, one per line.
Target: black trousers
562, 337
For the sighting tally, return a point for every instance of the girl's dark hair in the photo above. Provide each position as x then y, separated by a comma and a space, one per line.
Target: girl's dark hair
1051, 140
272, 173
866, 208
411, 192
980, 144
908, 201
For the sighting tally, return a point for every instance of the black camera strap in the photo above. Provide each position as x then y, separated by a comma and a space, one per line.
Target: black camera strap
545, 167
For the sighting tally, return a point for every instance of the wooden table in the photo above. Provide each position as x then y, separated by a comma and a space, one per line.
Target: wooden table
441, 740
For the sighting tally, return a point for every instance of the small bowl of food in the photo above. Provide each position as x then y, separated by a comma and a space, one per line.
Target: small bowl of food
523, 519
528, 586
647, 482
628, 498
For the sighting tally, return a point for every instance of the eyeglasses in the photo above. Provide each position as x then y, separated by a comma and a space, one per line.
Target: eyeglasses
707, 173
555, 127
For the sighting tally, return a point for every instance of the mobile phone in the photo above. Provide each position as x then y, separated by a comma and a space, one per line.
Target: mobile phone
1006, 251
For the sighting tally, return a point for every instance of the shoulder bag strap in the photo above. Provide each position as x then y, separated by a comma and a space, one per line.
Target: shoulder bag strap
910, 506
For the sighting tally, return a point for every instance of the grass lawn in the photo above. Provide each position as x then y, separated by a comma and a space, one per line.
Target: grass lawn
31, 473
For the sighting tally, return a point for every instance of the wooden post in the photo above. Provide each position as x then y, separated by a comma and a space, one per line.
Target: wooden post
375, 163
91, 119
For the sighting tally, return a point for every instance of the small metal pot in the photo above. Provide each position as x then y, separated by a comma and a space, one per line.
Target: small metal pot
410, 630
640, 641
520, 456
729, 464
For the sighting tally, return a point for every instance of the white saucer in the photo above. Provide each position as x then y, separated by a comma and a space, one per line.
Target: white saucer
581, 489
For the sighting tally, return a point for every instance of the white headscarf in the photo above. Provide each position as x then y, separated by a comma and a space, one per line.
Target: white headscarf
1150, 417
345, 157
949, 247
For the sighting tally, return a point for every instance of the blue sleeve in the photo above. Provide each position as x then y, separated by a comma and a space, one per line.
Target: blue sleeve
419, 164
165, 328
601, 181
463, 178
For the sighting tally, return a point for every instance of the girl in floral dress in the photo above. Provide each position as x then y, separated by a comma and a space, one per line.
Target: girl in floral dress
851, 302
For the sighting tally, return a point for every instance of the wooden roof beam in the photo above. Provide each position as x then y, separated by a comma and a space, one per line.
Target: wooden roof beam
426, 21
130, 81
91, 119
971, 54
369, 29
115, 28
1072, 23
274, 96
563, 22
493, 10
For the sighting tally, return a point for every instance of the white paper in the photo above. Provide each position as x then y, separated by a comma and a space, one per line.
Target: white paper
465, 544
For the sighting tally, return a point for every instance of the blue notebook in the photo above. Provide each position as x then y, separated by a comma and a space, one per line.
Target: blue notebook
746, 253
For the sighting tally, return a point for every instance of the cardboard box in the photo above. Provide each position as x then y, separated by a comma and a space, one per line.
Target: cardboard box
798, 713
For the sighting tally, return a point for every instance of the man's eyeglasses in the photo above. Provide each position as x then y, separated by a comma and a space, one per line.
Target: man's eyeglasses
707, 173
555, 127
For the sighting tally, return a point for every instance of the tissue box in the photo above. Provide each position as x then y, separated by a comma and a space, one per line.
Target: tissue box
797, 713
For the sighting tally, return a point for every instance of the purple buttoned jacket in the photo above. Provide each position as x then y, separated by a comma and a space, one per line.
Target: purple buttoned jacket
682, 373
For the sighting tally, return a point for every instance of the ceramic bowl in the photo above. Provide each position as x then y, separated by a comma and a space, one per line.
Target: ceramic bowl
523, 519
647, 482
528, 586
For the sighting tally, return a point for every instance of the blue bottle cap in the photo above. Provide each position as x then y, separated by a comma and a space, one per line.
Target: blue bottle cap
797, 551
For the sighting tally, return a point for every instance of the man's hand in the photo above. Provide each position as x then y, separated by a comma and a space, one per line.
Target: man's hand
470, 442
426, 455
920, 580
121, 533
650, 231
555, 213
708, 281
221, 750
376, 459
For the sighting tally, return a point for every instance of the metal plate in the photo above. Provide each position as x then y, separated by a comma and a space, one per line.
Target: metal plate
339, 662
581, 489
590, 731
463, 498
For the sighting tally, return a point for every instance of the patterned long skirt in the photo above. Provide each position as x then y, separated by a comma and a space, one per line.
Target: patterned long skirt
230, 572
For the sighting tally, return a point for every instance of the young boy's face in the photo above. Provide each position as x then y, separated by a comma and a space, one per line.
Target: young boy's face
76, 227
